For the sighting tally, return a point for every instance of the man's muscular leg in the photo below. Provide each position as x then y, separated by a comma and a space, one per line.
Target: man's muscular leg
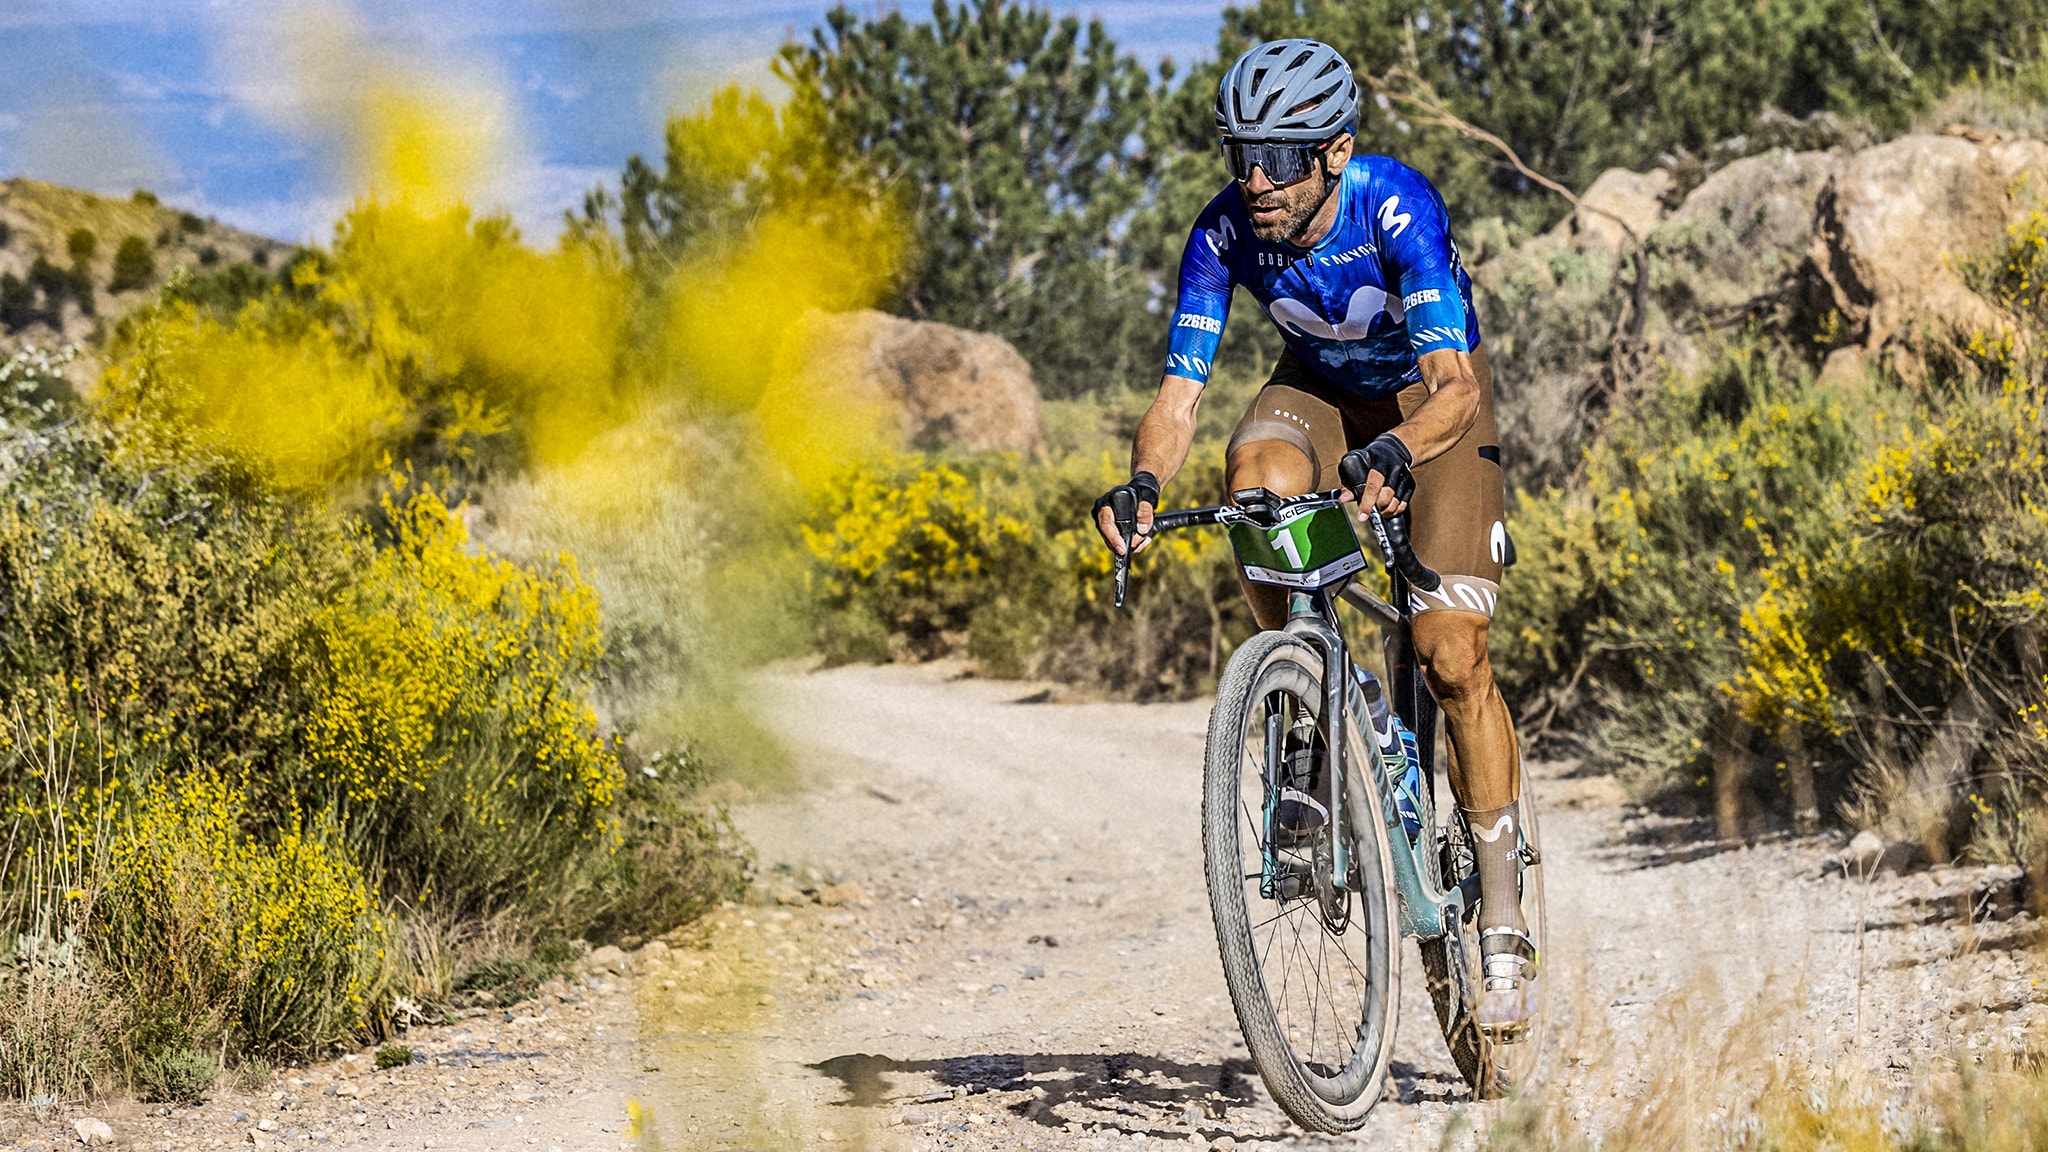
1452, 647
1284, 470
1486, 776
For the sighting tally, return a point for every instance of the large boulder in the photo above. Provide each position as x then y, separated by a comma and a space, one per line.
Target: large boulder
1893, 219
1743, 235
1618, 197
947, 386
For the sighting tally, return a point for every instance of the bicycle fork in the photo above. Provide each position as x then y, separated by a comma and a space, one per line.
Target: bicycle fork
1305, 621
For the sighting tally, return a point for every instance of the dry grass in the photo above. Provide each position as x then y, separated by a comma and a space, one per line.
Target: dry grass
1753, 1083
59, 1027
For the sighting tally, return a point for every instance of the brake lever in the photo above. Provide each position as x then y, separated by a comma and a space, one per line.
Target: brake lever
1123, 506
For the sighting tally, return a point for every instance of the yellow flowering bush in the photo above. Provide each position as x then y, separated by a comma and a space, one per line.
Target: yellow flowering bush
995, 557
1632, 587
902, 555
156, 603
1839, 573
456, 740
268, 945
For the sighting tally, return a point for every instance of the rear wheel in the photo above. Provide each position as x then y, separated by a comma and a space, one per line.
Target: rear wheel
1311, 966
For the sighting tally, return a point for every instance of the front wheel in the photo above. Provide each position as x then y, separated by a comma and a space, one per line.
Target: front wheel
1311, 963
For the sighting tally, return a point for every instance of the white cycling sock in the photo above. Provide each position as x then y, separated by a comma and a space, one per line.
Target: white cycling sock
1496, 844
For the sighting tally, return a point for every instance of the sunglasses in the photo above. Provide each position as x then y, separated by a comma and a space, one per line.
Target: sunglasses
1284, 163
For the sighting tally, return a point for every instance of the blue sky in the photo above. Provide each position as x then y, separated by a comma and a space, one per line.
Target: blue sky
196, 99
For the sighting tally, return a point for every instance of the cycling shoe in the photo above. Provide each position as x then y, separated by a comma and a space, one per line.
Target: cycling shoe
1508, 982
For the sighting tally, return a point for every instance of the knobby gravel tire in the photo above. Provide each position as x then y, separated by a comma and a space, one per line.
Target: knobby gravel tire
1321, 1097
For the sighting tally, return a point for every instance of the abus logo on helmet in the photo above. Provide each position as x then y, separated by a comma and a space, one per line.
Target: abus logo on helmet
1204, 323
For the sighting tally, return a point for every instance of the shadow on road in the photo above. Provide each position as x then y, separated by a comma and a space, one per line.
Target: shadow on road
1122, 1089
1127, 1086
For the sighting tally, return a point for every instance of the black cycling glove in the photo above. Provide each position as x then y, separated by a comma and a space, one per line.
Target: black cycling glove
1143, 485
1387, 456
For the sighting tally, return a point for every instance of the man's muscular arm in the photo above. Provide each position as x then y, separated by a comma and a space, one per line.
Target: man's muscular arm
1441, 421
1160, 447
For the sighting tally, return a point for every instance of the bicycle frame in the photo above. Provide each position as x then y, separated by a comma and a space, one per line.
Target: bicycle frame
1426, 911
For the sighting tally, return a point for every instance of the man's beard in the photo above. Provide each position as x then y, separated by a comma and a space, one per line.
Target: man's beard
1295, 216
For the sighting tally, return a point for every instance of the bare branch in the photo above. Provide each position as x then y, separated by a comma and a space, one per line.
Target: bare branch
1406, 87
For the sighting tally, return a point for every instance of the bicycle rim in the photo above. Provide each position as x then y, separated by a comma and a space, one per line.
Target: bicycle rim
1312, 973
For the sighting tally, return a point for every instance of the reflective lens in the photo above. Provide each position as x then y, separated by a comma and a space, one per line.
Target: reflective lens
1284, 163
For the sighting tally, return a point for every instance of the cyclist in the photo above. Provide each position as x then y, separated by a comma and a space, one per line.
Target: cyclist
1352, 259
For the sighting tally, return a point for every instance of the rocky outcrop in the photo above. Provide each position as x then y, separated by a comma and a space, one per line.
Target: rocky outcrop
1893, 220
1744, 234
1864, 253
950, 387
1619, 197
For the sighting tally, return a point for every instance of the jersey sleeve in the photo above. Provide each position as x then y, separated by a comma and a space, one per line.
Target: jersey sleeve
1415, 231
1204, 300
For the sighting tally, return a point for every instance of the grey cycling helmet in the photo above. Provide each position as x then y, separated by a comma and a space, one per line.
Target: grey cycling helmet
1291, 90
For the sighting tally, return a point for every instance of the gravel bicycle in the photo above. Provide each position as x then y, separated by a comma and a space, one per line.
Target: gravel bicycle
1309, 923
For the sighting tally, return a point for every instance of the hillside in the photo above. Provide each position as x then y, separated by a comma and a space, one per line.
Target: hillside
61, 263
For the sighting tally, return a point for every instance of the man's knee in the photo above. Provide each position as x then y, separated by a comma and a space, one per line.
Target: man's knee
1276, 466
1452, 647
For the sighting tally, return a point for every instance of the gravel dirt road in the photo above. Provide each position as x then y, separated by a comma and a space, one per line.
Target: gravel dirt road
1013, 948
982, 926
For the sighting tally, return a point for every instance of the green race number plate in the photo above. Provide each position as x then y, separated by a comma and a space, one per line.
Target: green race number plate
1311, 550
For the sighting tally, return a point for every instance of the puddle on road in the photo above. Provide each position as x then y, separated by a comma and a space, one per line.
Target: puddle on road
709, 1009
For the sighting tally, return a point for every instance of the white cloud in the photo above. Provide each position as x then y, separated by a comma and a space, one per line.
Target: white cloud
308, 220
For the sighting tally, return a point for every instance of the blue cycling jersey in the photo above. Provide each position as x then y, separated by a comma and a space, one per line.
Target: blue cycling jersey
1384, 286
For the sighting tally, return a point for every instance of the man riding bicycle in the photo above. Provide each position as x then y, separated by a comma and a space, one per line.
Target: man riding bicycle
1382, 376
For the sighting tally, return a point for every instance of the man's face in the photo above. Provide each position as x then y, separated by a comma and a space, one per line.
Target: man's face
1279, 214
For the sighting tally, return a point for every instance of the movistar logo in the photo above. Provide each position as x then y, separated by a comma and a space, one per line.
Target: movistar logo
1219, 237
1365, 306
1392, 220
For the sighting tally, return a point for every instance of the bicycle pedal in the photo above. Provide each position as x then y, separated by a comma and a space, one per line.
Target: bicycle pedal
1531, 856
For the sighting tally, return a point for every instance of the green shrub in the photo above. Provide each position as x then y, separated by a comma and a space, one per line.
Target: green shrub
176, 1076
81, 243
1633, 584
675, 861
134, 267
58, 1024
159, 602
393, 1056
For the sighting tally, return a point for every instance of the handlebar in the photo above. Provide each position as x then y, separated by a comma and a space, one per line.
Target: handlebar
1255, 506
